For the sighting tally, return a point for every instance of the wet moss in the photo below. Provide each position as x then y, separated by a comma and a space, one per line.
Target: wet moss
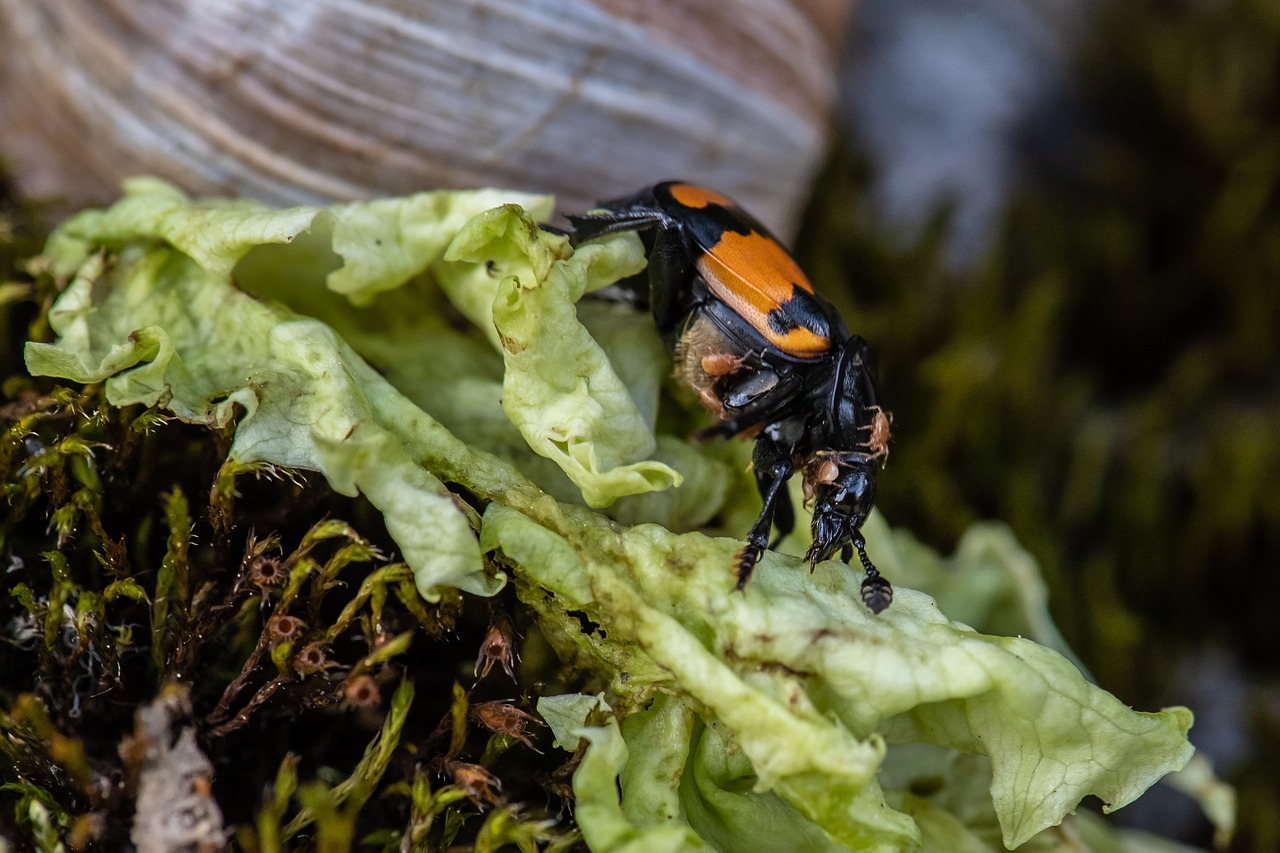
315, 679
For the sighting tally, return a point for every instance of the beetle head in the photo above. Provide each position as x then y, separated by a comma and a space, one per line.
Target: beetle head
842, 487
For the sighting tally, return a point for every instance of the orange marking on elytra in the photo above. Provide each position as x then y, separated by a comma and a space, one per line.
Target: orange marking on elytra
753, 275
697, 197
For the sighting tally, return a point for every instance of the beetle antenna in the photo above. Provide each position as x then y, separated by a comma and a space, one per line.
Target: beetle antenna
877, 593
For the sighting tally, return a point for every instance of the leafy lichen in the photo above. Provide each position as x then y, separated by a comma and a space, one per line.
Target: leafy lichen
791, 697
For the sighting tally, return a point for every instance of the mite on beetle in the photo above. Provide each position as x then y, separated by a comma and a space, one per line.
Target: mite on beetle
769, 357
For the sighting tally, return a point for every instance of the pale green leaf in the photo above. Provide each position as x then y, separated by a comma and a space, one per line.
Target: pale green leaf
785, 717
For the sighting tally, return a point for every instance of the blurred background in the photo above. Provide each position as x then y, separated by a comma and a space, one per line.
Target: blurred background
1060, 225
1058, 221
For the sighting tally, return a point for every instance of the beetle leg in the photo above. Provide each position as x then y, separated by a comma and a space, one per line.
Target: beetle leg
670, 265
773, 469
592, 226
784, 517
727, 429
758, 536
779, 393
736, 426
670, 268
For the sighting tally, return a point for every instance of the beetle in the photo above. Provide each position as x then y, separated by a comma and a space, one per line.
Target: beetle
769, 357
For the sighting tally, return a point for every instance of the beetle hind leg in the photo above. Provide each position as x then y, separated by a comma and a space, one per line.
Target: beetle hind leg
592, 226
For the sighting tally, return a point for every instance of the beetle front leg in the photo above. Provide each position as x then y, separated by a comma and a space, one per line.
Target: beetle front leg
773, 469
784, 517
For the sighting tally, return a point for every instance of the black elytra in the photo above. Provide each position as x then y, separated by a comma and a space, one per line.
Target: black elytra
769, 357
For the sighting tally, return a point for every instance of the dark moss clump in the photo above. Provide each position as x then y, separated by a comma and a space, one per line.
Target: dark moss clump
183, 638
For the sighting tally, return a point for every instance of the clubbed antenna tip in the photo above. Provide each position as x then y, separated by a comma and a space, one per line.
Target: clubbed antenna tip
877, 593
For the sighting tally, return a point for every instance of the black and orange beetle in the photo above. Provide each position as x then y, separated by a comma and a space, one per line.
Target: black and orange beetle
769, 357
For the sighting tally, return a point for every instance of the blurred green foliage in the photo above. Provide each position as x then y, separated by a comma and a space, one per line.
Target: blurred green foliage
1107, 378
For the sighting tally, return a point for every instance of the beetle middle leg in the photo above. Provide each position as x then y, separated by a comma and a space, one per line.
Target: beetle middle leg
748, 398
